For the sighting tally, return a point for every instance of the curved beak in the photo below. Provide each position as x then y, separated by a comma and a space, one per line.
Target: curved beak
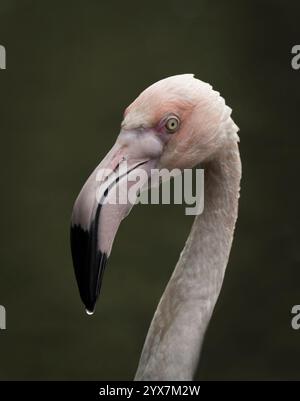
104, 201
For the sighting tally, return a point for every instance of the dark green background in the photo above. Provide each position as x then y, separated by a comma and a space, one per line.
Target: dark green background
72, 67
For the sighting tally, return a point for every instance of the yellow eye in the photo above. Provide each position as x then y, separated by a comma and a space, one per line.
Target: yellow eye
172, 124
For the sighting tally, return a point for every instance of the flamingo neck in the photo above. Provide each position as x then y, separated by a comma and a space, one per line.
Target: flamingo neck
172, 347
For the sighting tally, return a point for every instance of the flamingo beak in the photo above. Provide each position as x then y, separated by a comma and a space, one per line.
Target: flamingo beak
98, 211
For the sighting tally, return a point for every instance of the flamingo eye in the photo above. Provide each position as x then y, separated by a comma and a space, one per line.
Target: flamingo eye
172, 124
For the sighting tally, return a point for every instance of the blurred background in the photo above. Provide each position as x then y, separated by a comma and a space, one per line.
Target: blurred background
72, 68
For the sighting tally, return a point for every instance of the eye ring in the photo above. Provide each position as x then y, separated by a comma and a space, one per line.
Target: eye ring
172, 124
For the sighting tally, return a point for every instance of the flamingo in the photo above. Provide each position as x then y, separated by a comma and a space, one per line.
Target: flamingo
178, 122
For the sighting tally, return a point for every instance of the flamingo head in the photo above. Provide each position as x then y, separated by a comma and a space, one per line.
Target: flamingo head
177, 122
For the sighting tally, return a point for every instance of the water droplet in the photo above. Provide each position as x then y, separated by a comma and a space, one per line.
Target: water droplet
89, 312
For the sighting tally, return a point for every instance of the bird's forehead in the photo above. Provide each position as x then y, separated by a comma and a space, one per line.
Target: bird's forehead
177, 94
148, 111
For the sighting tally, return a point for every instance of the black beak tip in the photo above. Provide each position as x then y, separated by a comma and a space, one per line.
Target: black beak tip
88, 298
89, 265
